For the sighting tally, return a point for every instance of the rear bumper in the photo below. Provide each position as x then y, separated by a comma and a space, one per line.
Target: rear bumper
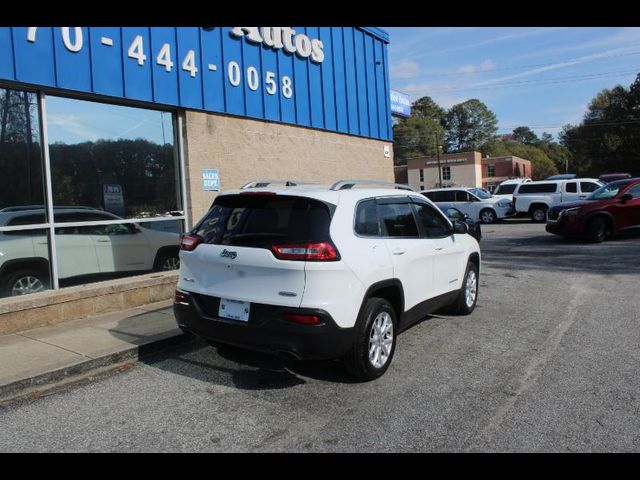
265, 331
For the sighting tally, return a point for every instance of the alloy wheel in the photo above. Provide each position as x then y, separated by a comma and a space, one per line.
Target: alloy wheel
27, 284
171, 263
471, 288
381, 340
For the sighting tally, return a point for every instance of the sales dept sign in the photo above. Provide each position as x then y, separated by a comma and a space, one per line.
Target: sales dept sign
210, 179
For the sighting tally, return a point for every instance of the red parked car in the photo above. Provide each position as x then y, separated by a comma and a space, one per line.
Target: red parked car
611, 209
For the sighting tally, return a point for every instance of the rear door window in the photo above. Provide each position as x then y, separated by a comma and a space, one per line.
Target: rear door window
397, 218
259, 221
572, 187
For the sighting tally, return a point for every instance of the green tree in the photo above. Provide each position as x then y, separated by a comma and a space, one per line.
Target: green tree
415, 137
525, 136
608, 138
469, 125
426, 108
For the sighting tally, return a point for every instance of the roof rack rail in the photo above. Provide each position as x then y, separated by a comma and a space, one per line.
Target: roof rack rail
347, 184
264, 183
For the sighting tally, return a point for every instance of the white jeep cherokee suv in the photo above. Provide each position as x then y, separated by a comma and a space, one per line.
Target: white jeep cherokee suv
312, 272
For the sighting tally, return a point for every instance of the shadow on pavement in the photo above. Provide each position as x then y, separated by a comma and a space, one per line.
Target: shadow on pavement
244, 369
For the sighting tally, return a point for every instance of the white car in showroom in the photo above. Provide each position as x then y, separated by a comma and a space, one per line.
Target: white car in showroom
475, 202
83, 252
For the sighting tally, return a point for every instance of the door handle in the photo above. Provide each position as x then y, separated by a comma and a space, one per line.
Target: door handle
102, 241
439, 248
398, 251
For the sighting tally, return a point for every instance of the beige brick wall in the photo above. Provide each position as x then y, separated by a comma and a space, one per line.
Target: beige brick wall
244, 150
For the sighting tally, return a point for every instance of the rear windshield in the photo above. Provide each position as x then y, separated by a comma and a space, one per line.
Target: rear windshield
264, 220
505, 189
538, 187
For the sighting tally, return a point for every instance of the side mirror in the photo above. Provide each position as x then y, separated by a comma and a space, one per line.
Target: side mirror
624, 198
460, 227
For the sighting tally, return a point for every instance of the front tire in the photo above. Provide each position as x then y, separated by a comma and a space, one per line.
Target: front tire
488, 215
468, 296
596, 230
374, 342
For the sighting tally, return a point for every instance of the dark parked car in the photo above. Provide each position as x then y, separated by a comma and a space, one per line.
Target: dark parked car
474, 227
612, 177
609, 210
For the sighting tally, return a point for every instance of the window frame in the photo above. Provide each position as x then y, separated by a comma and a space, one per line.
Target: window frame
49, 209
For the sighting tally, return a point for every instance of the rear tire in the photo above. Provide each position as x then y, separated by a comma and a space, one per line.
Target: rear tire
596, 230
374, 342
539, 213
468, 296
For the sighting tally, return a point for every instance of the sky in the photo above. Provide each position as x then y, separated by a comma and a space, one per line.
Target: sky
540, 77
76, 121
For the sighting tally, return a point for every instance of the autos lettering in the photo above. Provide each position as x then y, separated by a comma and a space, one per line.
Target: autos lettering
283, 37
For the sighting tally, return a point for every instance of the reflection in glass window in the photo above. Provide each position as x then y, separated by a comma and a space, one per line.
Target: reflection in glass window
98, 252
24, 261
21, 178
113, 158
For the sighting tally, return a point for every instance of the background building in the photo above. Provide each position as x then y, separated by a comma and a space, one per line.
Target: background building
149, 124
466, 169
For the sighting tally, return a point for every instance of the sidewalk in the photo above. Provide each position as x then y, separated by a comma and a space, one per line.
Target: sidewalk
42, 360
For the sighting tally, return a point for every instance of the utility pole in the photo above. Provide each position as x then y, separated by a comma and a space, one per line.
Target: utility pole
438, 157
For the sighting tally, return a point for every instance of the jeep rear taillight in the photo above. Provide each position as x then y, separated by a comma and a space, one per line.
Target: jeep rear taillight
190, 242
311, 252
181, 298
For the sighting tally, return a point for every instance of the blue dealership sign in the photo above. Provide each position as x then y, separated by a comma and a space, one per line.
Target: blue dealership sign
331, 78
400, 104
210, 179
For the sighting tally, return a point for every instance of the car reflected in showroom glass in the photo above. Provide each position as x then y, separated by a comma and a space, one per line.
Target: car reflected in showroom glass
115, 177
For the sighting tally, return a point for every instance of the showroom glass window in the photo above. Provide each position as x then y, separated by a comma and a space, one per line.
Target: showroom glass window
24, 248
112, 163
113, 158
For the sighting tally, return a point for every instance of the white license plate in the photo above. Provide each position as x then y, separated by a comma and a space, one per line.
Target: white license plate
234, 309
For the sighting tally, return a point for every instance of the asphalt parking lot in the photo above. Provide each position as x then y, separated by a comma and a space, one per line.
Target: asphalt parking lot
547, 362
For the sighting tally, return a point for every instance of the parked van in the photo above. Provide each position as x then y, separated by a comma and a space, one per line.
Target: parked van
535, 198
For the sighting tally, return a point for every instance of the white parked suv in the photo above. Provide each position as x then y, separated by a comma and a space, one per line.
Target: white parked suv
506, 188
535, 198
83, 252
318, 272
479, 204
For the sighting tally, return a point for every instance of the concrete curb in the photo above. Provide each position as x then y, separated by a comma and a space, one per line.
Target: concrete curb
84, 372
